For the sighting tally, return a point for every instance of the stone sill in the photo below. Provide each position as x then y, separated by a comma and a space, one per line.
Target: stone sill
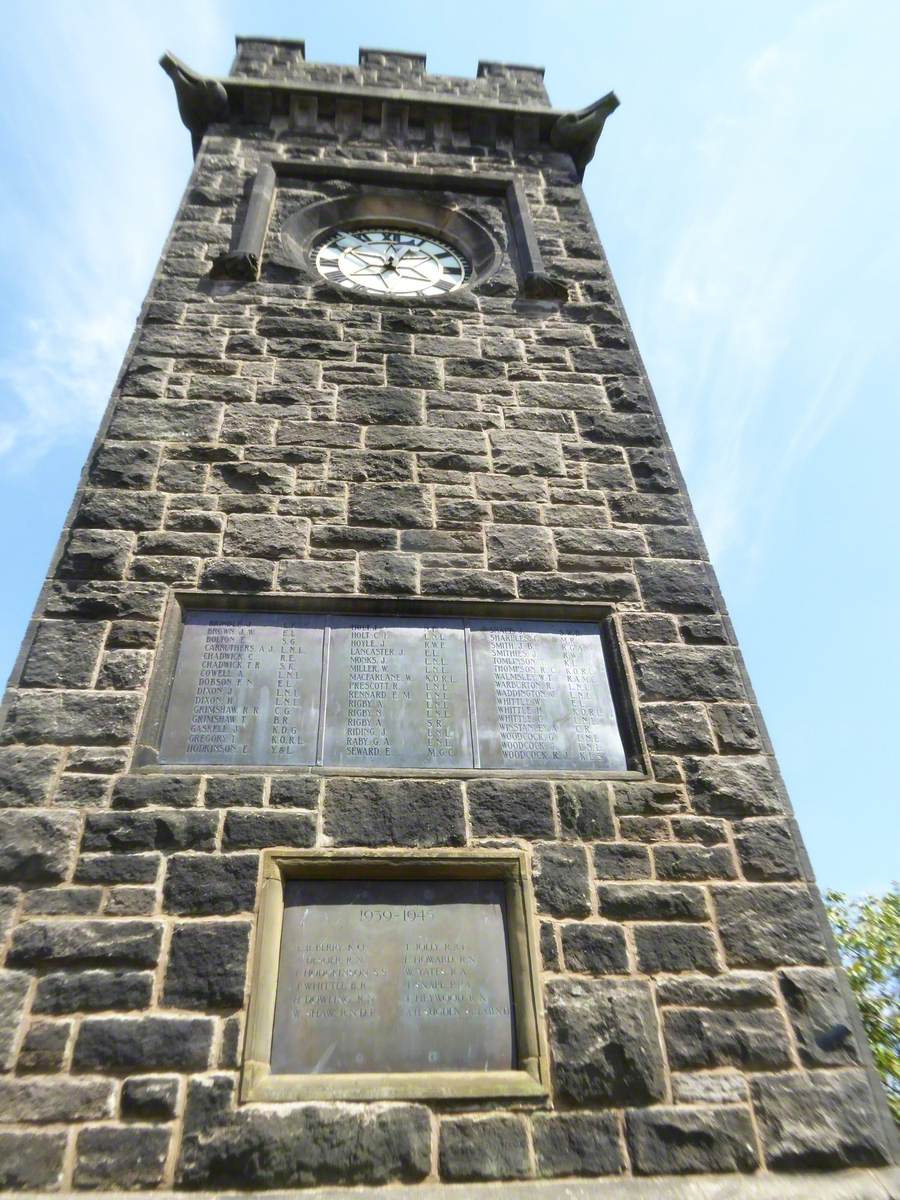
845, 1185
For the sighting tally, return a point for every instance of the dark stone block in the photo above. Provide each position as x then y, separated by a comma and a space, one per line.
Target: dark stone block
117, 868
673, 948
766, 850
754, 1040
824, 1120
386, 405
572, 585
138, 601
652, 902
604, 1038
207, 885
561, 880
678, 728
694, 862
294, 793
686, 673
617, 860
229, 1049
485, 1148
520, 548
104, 943
137, 831
577, 1144
265, 536
819, 1016
680, 587
237, 575
511, 808
93, 991
234, 791
314, 1144
44, 1047
735, 727
72, 718
768, 925
255, 830
55, 1100
63, 654
150, 1098
124, 465
207, 965
585, 810
549, 948
647, 799
723, 991
31, 1161
708, 831
734, 787
395, 574
95, 554
451, 581
399, 506
143, 1044
595, 949
316, 577
680, 1141
404, 812
36, 846
131, 902
27, 774
130, 1156
155, 791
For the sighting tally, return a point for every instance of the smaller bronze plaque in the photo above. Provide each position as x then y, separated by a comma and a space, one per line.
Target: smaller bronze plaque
383, 976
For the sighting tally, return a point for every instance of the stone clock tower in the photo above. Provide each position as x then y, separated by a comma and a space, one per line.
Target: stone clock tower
384, 802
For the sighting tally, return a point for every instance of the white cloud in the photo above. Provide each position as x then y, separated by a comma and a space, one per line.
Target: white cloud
98, 163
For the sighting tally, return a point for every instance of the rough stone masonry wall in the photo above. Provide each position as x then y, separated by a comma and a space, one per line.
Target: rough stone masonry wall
275, 439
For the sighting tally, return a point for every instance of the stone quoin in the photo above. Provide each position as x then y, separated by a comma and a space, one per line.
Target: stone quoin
385, 805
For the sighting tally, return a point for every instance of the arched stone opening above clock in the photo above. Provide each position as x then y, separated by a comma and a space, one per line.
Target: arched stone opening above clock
306, 229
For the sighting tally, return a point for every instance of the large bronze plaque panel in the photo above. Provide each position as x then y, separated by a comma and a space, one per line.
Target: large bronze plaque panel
397, 693
542, 697
393, 975
246, 690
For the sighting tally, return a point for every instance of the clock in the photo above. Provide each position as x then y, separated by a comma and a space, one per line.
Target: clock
390, 262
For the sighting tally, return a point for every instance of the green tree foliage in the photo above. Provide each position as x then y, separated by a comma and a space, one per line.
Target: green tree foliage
868, 935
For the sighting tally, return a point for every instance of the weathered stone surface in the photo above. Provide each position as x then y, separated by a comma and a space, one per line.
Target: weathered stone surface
766, 850
207, 964
768, 925
678, 728
293, 793
150, 1098
37, 846
686, 673
604, 1039
250, 536
549, 947
733, 787
72, 718
149, 1043
255, 830
162, 829
676, 586
43, 1048
671, 947
510, 808
92, 991
677, 1141
485, 585
483, 1148
404, 812
155, 791
206, 885
96, 554
577, 1144
98, 942
237, 575
63, 654
30, 1161
317, 577
651, 902
396, 574
694, 862
710, 1087
117, 868
743, 989
584, 810
572, 585
561, 880
49, 1100
818, 1013
594, 949
621, 860
131, 1156
754, 1040
27, 774
526, 453
233, 791
307, 1145
820, 1121
381, 406
519, 548
396, 505
14, 987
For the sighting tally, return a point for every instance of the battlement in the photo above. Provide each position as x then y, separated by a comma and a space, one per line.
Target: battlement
284, 60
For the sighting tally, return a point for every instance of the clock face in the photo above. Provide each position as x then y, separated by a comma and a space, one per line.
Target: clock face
390, 262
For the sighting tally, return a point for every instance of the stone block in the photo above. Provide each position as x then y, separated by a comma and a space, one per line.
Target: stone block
150, 1098
577, 1144
43, 1048
604, 1039
652, 902
14, 987
766, 925
37, 846
393, 574
681, 1141
249, 535
124, 465
169, 421
818, 1014
686, 673
63, 654
525, 452
286, 792
766, 850
72, 718
234, 791
485, 585
381, 405
577, 585
676, 586
399, 506
585, 811
404, 812
317, 577
121, 1157
92, 991
207, 964
738, 990
621, 860
155, 791
821, 1121
89, 943
733, 787
561, 884
31, 1161
27, 774
510, 808
256, 830
694, 862
117, 868
146, 1043
520, 548
473, 1149
594, 949
237, 575
678, 728
103, 508
166, 830
52, 1100
753, 1040
207, 885
671, 948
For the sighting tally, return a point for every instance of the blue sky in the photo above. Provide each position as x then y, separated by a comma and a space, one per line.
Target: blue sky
747, 195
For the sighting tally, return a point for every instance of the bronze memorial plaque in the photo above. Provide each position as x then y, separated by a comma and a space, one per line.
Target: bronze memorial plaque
294, 689
393, 975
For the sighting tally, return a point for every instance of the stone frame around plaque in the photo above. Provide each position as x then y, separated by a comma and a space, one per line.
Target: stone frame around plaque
146, 756
529, 1081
